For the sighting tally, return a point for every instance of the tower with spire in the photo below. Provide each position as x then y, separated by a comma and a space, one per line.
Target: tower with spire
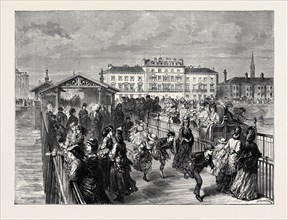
46, 76
252, 67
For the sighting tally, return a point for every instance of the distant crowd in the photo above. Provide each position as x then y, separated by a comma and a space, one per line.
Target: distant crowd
25, 102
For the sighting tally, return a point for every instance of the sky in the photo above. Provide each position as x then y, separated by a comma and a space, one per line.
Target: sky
86, 41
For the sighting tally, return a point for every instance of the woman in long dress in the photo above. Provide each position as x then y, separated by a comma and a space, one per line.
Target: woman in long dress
121, 183
184, 146
103, 153
219, 157
226, 177
85, 171
245, 183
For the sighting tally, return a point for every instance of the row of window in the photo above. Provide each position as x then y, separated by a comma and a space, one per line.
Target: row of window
199, 96
155, 70
165, 78
236, 88
126, 78
130, 87
236, 94
160, 78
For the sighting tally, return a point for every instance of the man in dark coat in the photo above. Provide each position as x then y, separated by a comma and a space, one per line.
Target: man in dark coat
119, 116
84, 116
127, 125
199, 161
162, 146
148, 104
106, 116
61, 117
97, 124
71, 119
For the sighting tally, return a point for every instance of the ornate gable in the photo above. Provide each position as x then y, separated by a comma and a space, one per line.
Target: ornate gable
78, 81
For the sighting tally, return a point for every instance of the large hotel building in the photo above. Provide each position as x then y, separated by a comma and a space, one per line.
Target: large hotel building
163, 78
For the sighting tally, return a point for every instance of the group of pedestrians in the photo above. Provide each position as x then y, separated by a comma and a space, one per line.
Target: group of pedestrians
236, 165
101, 166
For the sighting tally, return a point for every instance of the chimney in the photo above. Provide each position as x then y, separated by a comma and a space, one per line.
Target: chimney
109, 66
217, 79
225, 76
262, 75
246, 75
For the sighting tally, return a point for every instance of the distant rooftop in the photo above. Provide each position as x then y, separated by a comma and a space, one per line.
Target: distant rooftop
199, 69
17, 71
163, 62
255, 80
124, 68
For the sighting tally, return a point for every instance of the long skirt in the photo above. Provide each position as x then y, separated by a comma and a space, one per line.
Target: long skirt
121, 183
105, 165
93, 191
244, 185
182, 160
143, 162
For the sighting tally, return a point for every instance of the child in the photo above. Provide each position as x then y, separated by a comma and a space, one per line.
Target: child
197, 163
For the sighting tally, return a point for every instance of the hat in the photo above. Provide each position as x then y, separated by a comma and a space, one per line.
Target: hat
60, 108
222, 141
92, 141
70, 148
84, 104
152, 137
119, 129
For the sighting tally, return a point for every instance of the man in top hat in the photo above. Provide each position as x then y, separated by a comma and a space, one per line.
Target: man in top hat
161, 148
198, 162
84, 116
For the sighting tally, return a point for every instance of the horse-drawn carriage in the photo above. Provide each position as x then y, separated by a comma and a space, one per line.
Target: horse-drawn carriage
227, 124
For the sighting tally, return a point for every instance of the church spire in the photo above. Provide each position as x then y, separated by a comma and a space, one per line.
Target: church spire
252, 67
46, 77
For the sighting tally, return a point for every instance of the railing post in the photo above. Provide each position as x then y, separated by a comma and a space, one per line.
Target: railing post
264, 155
158, 124
255, 124
225, 126
169, 123
199, 128
148, 117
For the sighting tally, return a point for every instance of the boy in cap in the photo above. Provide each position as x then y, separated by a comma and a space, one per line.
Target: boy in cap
198, 162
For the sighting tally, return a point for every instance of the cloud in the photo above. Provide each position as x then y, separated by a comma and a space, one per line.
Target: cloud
141, 30
219, 32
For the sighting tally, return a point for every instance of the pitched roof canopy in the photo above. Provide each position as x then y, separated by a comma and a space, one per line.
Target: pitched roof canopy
42, 86
80, 81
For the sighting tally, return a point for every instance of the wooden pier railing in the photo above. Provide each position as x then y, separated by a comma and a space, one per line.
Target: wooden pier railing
265, 142
57, 188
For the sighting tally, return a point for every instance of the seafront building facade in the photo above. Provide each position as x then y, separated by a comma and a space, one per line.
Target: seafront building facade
163, 78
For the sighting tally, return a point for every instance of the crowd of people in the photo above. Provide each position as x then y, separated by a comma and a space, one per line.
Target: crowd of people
96, 157
25, 102
95, 154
